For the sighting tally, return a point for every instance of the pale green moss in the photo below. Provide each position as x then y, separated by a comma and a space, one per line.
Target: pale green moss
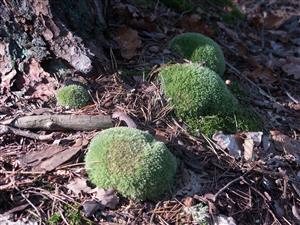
196, 91
201, 98
199, 48
73, 96
132, 162
243, 119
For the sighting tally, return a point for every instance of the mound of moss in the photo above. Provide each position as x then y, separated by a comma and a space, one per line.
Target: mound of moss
132, 162
199, 48
196, 91
243, 119
178, 5
73, 96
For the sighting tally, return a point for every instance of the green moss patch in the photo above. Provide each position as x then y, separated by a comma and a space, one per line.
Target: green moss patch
73, 96
196, 91
201, 98
243, 120
132, 162
199, 48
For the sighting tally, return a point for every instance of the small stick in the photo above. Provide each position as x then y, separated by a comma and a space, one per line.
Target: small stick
226, 186
4, 129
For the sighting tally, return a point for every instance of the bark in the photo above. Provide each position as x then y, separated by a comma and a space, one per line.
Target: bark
60, 35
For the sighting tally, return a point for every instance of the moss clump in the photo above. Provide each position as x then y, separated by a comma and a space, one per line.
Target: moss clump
201, 98
178, 5
132, 162
196, 91
199, 48
73, 96
242, 120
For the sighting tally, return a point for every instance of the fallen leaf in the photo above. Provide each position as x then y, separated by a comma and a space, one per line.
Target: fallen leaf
285, 143
292, 67
10, 220
240, 144
223, 220
124, 117
108, 198
248, 149
78, 186
231, 33
231, 142
191, 183
128, 41
90, 207
49, 158
265, 75
296, 212
193, 23
273, 21
253, 139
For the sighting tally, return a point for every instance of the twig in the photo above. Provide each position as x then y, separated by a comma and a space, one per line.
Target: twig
226, 186
4, 129
291, 97
33, 206
210, 144
20, 172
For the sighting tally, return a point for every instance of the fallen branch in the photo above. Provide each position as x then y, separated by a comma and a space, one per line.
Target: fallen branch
63, 122
4, 129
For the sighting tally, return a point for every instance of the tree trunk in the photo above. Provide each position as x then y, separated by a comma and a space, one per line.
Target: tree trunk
59, 35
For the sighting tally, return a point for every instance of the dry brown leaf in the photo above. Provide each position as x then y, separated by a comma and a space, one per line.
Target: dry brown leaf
90, 207
193, 23
124, 117
223, 220
292, 67
273, 21
240, 144
78, 185
248, 149
49, 157
286, 144
108, 198
191, 183
231, 142
231, 33
263, 74
128, 41
296, 212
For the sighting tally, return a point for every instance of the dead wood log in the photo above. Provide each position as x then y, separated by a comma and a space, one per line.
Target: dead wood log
63, 122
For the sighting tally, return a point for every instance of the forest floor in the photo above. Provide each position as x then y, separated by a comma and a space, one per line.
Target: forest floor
45, 181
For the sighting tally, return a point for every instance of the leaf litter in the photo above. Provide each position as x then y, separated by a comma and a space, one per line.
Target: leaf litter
259, 186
